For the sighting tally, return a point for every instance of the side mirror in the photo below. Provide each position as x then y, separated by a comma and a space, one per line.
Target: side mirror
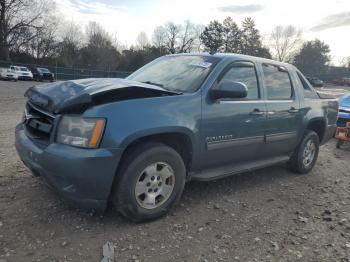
229, 89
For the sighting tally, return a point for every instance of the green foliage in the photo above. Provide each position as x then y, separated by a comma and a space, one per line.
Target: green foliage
232, 35
313, 57
229, 38
213, 36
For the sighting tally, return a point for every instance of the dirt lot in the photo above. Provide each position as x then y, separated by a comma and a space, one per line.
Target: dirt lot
268, 215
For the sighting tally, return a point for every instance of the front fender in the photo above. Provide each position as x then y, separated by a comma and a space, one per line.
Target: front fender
158, 131
133, 119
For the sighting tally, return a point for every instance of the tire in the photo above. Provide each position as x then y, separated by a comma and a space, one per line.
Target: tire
301, 162
148, 161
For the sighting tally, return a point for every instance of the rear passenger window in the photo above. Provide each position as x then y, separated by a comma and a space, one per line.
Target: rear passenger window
308, 91
244, 72
277, 82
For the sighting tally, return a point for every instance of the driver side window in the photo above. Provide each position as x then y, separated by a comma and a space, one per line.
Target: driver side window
244, 72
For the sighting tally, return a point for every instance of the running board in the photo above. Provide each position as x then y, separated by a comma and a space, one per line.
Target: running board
228, 170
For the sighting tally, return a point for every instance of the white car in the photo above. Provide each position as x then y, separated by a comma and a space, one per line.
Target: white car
22, 72
8, 74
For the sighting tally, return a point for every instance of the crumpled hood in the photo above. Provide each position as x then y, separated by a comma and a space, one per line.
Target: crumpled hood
77, 95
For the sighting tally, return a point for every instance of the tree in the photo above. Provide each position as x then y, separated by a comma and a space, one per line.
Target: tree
251, 43
187, 36
285, 42
159, 38
99, 52
142, 40
45, 44
212, 36
172, 34
69, 46
264, 52
313, 57
197, 43
232, 36
18, 18
345, 62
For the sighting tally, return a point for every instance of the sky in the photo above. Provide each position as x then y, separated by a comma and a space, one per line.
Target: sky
328, 20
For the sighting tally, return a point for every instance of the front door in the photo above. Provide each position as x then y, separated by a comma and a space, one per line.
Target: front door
284, 118
232, 131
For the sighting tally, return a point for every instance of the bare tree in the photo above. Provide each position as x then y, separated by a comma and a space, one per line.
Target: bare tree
159, 37
18, 18
172, 35
96, 34
345, 62
142, 40
45, 43
99, 51
285, 42
197, 43
72, 39
72, 33
187, 36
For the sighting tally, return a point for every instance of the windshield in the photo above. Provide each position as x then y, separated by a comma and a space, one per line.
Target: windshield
176, 73
44, 70
23, 69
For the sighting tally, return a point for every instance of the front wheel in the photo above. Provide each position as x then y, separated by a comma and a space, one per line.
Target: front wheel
305, 155
149, 182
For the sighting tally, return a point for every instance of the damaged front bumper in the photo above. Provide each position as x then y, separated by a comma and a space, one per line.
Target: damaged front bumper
83, 176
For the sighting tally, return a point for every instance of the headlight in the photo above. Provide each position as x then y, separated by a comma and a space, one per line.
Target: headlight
80, 132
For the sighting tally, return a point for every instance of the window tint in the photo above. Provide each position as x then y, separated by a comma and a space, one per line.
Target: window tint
244, 73
277, 82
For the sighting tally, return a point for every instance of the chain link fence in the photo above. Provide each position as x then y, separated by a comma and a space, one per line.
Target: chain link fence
66, 73
328, 74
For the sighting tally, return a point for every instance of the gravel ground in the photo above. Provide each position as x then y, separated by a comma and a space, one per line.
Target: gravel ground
267, 215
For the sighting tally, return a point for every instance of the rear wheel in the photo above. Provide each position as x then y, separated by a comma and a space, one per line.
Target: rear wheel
150, 181
305, 155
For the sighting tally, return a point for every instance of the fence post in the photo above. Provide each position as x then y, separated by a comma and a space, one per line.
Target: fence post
56, 71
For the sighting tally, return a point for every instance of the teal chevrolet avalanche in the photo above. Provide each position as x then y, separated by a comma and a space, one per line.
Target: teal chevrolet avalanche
134, 142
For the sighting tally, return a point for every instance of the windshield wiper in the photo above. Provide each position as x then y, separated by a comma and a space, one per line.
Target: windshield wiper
152, 83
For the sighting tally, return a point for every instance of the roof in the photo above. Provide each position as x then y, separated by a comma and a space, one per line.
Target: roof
234, 55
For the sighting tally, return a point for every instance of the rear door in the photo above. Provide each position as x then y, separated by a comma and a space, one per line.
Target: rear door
284, 118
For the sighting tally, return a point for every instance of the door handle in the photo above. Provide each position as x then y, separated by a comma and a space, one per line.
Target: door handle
257, 112
293, 110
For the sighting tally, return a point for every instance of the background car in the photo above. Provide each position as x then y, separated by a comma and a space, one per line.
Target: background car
344, 110
22, 72
8, 74
315, 82
342, 81
40, 74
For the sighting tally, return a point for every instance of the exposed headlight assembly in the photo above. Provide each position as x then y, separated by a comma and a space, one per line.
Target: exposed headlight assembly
80, 132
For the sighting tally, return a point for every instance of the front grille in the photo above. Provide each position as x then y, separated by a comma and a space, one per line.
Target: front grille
39, 124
